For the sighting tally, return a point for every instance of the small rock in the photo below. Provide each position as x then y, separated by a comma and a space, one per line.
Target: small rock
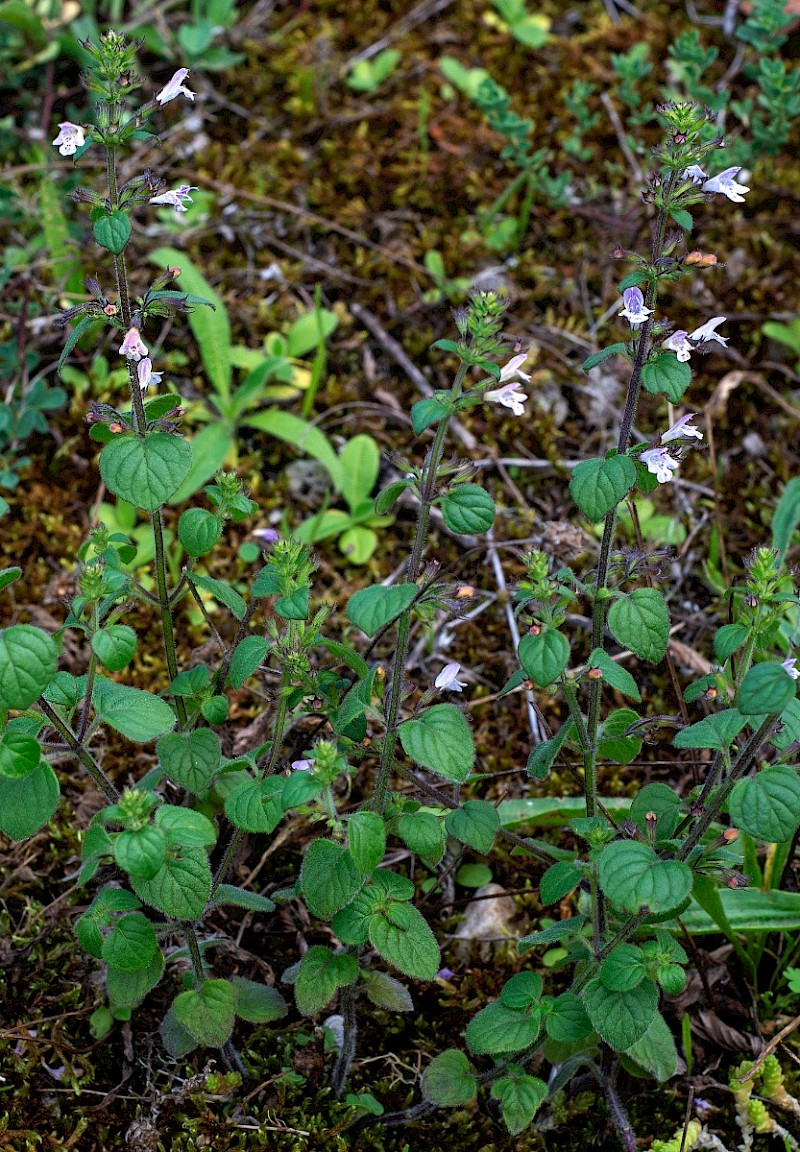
487, 920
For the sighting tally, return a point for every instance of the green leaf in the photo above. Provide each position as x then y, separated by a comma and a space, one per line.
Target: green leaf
633, 878
497, 1029
425, 413
746, 910
599, 485
370, 609
567, 1021
386, 992
664, 802
294, 606
242, 898
468, 510
520, 1096
522, 990
256, 805
131, 944
767, 805
613, 744
308, 330
614, 674
621, 1018
9, 575
330, 878
410, 948
440, 740
190, 758
544, 657
247, 658
388, 497
448, 1080
543, 755
786, 516
27, 804
127, 989
113, 231
423, 833
767, 687
114, 646
181, 888
257, 1003
656, 1051
198, 531
207, 1012
558, 881
19, 755
359, 462
210, 325
728, 639
184, 827
366, 840
640, 621
604, 353
475, 823
664, 374
222, 592
319, 977
304, 436
716, 731
28, 661
215, 710
177, 1040
136, 714
554, 933
145, 471
142, 852
623, 968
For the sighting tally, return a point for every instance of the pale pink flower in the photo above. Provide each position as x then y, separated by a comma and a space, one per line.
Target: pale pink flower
707, 331
660, 463
146, 375
509, 396
512, 369
790, 666
727, 186
175, 87
132, 346
634, 311
682, 429
678, 343
447, 680
70, 138
178, 198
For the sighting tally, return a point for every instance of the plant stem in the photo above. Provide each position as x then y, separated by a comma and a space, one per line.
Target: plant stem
430, 474
198, 968
83, 755
347, 1052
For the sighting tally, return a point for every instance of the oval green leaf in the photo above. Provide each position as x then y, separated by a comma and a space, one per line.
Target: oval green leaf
145, 471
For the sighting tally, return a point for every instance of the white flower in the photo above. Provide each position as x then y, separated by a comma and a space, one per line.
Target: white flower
132, 345
70, 138
790, 666
682, 429
512, 369
302, 765
660, 463
146, 375
707, 331
447, 680
694, 173
678, 342
634, 310
175, 87
727, 186
509, 396
177, 199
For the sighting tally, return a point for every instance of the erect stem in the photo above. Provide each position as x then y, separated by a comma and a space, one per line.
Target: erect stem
430, 474
347, 1052
198, 968
83, 754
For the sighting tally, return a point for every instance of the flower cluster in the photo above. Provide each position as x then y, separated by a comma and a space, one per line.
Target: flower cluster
508, 394
724, 183
680, 342
658, 460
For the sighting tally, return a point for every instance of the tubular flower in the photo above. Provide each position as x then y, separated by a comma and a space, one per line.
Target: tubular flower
708, 331
146, 375
682, 429
447, 680
790, 666
512, 369
678, 343
634, 311
175, 87
132, 346
694, 173
70, 138
510, 397
660, 463
178, 198
727, 186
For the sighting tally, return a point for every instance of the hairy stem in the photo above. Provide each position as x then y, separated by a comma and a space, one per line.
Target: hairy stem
82, 754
